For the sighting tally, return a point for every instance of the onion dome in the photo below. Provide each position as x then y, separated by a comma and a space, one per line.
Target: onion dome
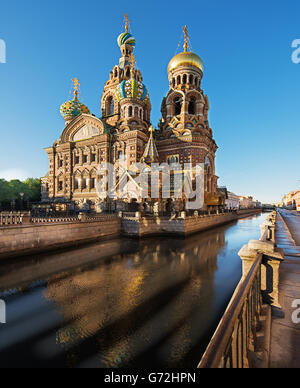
71, 109
126, 38
186, 59
132, 89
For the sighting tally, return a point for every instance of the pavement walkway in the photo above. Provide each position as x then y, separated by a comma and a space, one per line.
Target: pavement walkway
285, 334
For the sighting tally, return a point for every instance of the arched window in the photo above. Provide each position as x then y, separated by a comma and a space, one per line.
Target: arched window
208, 173
116, 72
178, 105
136, 111
192, 106
196, 81
178, 80
184, 79
191, 80
173, 82
110, 107
130, 111
128, 73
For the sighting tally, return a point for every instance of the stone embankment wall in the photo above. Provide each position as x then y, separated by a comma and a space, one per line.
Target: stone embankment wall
27, 238
144, 226
32, 236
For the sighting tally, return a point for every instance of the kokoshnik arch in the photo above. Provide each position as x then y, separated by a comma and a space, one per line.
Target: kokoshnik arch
183, 136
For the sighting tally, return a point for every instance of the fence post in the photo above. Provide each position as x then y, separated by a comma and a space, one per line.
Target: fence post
272, 257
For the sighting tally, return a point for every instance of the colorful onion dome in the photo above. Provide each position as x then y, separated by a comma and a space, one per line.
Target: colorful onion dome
126, 38
132, 89
186, 59
72, 109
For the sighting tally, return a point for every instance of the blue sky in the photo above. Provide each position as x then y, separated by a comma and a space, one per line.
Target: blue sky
252, 84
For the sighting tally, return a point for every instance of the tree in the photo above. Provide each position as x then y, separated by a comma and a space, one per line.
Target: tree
11, 190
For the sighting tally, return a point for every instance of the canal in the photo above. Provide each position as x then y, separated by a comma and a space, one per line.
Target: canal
121, 303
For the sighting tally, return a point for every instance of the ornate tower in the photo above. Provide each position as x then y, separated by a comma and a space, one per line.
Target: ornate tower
125, 104
185, 135
125, 96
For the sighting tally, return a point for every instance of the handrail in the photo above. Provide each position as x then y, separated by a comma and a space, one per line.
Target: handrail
212, 358
235, 336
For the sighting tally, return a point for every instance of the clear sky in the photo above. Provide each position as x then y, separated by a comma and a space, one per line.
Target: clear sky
252, 84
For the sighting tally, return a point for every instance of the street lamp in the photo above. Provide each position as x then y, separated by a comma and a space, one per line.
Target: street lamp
21, 195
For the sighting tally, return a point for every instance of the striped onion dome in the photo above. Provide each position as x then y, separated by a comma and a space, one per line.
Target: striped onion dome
126, 38
132, 89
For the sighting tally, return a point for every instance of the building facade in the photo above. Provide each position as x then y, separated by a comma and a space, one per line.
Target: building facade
233, 201
292, 200
184, 134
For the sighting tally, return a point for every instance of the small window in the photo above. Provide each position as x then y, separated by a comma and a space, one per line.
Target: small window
110, 110
85, 158
60, 163
76, 183
77, 160
93, 183
184, 79
130, 111
84, 183
192, 106
178, 104
60, 185
93, 157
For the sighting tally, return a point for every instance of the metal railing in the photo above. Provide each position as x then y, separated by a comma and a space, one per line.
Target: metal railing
236, 336
236, 333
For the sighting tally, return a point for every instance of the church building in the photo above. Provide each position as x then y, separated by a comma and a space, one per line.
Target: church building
183, 136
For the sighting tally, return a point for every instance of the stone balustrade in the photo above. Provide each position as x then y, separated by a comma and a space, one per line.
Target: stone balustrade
13, 218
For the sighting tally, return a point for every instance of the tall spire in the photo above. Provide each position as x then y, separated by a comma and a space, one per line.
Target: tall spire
186, 39
126, 22
151, 153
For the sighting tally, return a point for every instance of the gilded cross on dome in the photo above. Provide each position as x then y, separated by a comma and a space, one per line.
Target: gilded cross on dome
126, 22
76, 86
186, 39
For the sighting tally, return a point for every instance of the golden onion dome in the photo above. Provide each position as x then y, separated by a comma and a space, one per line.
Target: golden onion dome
186, 58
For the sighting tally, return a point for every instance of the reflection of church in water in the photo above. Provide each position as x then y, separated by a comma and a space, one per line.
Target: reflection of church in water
183, 136
125, 302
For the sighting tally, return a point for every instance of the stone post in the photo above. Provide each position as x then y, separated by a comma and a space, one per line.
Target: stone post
272, 257
26, 219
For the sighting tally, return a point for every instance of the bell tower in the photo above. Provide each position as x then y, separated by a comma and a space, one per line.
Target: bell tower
184, 134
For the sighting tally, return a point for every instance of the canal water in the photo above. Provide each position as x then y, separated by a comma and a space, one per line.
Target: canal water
121, 303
